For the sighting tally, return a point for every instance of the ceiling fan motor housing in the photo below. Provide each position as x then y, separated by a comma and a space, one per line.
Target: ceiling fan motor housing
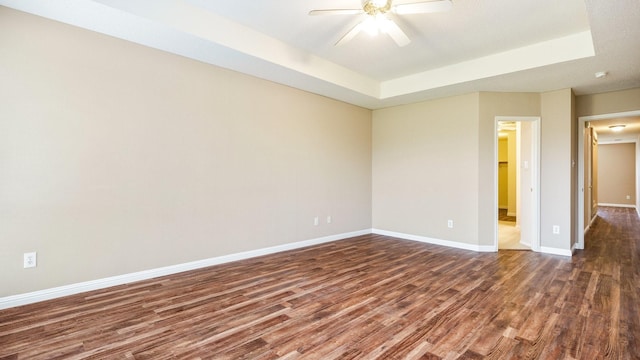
375, 7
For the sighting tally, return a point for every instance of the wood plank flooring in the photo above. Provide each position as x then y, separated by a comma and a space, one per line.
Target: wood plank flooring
502, 216
370, 297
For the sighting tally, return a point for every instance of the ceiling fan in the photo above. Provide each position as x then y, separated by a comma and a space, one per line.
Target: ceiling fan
377, 19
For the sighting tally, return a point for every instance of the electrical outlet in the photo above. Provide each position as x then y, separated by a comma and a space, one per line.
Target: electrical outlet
556, 229
628, 197
30, 260
316, 221
450, 224
329, 219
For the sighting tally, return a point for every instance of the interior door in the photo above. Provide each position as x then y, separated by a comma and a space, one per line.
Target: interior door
593, 187
586, 184
527, 180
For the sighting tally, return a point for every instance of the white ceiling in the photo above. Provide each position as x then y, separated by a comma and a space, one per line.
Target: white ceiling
629, 133
490, 45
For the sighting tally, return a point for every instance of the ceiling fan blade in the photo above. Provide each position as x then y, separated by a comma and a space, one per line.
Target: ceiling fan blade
350, 35
397, 34
336, 12
423, 7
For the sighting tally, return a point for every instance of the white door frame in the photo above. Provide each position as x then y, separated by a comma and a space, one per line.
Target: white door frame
581, 122
535, 172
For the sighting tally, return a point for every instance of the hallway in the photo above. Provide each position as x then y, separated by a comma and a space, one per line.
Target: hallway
607, 276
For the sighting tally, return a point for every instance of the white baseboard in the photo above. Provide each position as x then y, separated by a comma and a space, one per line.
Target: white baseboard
556, 251
458, 245
428, 240
618, 205
72, 289
573, 248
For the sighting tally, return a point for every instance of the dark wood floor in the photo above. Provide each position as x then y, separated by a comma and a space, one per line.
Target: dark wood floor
502, 216
370, 297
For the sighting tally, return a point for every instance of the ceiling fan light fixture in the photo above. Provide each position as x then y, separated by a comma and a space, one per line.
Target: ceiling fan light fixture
383, 23
370, 26
374, 25
377, 21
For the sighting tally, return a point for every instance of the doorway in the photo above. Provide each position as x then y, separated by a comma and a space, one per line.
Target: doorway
588, 141
517, 172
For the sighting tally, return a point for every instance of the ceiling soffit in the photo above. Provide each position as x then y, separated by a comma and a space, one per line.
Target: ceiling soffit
186, 28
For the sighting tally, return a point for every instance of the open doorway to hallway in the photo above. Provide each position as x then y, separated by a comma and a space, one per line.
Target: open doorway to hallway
608, 164
517, 159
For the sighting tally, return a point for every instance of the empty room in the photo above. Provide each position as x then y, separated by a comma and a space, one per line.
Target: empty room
263, 179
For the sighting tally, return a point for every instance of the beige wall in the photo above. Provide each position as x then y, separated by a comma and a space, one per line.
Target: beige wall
492, 104
118, 158
425, 169
608, 103
611, 103
512, 172
590, 160
575, 191
617, 174
556, 206
503, 150
503, 173
527, 181
428, 155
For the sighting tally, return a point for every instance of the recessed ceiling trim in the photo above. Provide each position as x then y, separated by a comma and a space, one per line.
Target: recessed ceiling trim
572, 47
180, 28
203, 24
185, 28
